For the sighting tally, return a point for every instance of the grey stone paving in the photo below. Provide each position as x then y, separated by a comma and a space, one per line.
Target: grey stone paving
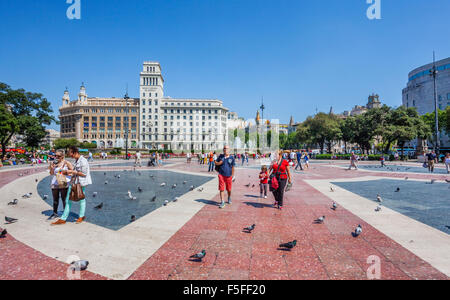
118, 208
398, 168
419, 200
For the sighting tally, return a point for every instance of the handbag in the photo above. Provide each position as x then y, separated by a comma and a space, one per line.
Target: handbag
76, 193
273, 182
61, 179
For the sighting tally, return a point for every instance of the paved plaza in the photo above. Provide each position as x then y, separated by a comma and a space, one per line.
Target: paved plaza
409, 237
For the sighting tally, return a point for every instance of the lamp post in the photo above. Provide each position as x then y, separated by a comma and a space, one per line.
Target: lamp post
433, 73
126, 130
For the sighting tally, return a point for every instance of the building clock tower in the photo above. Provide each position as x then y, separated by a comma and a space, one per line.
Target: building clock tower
151, 93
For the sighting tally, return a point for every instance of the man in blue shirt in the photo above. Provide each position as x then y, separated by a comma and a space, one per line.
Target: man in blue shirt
225, 163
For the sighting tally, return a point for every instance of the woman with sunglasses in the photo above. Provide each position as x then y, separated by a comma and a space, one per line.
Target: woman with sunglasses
60, 182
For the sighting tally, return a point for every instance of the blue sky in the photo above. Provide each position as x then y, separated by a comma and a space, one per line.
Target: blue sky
301, 55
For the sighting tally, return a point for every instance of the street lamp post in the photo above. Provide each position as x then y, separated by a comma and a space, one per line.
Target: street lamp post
126, 131
433, 73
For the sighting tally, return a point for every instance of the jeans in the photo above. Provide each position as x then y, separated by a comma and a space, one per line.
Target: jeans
55, 194
299, 164
279, 193
69, 206
263, 188
211, 166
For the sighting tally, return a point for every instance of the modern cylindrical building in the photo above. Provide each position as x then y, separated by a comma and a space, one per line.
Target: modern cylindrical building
419, 92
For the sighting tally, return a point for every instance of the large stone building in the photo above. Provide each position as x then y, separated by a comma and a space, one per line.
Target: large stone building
154, 121
51, 136
419, 91
102, 121
178, 124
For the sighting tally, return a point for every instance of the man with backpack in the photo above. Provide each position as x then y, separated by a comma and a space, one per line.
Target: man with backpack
225, 166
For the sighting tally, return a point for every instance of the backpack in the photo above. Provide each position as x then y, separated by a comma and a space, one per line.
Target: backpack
273, 181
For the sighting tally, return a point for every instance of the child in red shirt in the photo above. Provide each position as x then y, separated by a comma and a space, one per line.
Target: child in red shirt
263, 182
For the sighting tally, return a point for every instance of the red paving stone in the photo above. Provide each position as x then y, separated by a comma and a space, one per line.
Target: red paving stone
324, 251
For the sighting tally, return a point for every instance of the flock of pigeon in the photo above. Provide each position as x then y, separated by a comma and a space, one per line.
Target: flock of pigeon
130, 196
283, 246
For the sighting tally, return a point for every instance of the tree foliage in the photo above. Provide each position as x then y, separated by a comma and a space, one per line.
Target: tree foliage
23, 113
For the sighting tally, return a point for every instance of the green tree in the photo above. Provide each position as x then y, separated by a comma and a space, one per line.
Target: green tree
347, 126
19, 110
65, 143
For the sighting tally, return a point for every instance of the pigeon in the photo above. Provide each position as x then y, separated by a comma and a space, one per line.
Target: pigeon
397, 190
175, 199
153, 199
192, 188
184, 182
289, 245
3, 233
406, 178
253, 185
14, 202
200, 190
94, 194
319, 220
163, 184
10, 220
199, 255
100, 206
131, 196
118, 176
45, 197
133, 218
379, 198
106, 182
139, 189
331, 189
357, 231
36, 180
28, 195
166, 202
334, 206
250, 228
247, 185
378, 208
80, 265
174, 185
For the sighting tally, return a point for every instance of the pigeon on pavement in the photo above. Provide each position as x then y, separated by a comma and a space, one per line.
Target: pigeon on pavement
319, 220
289, 245
100, 206
250, 228
10, 220
334, 206
357, 231
133, 218
79, 265
3, 233
199, 255
14, 202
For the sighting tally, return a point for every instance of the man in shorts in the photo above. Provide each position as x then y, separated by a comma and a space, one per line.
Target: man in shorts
226, 163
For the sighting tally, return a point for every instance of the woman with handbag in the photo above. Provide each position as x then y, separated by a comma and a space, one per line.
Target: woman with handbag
279, 176
81, 177
60, 182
